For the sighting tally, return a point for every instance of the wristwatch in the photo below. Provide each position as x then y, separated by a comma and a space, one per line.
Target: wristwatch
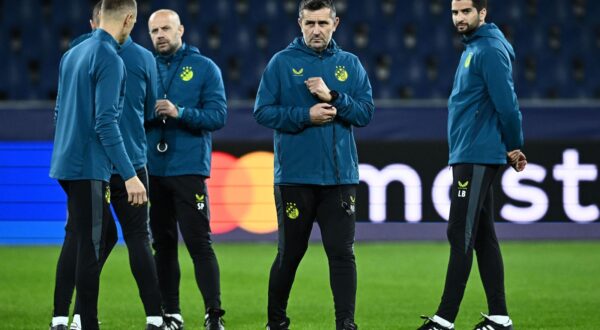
334, 95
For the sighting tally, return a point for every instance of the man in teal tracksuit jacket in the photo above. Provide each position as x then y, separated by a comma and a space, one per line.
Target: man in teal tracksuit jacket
484, 131
140, 98
312, 94
88, 142
334, 162
191, 104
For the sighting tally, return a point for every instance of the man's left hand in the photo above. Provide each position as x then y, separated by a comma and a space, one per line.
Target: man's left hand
164, 108
516, 158
318, 88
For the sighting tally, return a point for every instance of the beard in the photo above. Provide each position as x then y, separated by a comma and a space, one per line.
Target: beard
165, 49
466, 28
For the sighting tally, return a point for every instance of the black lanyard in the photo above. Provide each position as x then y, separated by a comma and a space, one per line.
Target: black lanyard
162, 82
162, 145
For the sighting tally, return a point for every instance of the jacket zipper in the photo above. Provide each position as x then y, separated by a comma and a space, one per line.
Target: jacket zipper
335, 157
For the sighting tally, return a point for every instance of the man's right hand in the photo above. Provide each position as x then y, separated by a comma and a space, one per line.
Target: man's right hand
322, 113
136, 193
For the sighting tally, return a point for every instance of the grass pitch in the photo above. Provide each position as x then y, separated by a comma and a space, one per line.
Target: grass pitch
550, 285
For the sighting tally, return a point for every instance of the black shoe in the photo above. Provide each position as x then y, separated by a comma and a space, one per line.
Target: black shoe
283, 325
59, 327
429, 324
348, 324
172, 323
488, 324
213, 320
154, 327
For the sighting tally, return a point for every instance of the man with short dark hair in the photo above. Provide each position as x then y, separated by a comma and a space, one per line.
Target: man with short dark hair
191, 105
484, 133
312, 94
140, 98
88, 143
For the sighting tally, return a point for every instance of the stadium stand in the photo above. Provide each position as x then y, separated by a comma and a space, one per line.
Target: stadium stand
408, 48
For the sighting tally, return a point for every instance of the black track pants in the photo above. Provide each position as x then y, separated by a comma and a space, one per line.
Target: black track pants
85, 248
471, 226
135, 227
183, 200
333, 209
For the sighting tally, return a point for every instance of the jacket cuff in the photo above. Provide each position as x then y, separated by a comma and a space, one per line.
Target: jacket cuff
339, 101
306, 117
121, 161
180, 111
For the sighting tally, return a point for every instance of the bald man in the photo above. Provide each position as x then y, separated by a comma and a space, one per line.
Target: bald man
191, 104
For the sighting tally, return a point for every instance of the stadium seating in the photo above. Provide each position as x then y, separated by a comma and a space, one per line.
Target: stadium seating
409, 48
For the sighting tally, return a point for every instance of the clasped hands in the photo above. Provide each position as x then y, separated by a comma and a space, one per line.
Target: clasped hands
320, 113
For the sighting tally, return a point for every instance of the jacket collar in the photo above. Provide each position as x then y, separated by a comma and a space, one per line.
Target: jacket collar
299, 44
490, 30
126, 44
102, 35
184, 50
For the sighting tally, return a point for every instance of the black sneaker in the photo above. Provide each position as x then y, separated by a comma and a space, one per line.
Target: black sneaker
59, 327
348, 324
488, 324
430, 324
283, 325
172, 323
154, 327
213, 320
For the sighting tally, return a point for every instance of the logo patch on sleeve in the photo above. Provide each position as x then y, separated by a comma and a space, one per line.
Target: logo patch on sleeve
468, 60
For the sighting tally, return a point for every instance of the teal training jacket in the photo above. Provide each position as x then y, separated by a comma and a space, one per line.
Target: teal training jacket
91, 90
307, 153
484, 121
194, 84
140, 99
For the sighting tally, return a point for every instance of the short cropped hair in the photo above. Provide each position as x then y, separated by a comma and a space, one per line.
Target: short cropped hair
96, 12
479, 4
313, 5
110, 7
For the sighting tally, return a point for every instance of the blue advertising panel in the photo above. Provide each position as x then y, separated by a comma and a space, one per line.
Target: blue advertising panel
401, 182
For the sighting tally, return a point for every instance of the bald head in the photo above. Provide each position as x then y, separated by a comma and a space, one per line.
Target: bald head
166, 31
165, 14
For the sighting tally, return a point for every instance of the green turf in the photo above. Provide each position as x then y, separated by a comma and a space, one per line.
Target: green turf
550, 285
